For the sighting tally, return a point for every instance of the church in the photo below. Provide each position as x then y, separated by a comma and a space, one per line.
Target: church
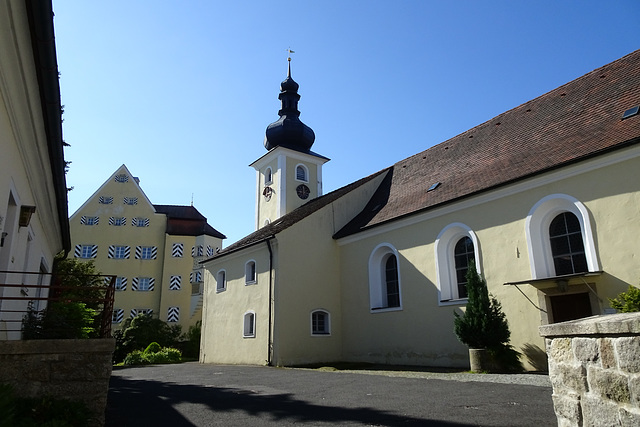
544, 198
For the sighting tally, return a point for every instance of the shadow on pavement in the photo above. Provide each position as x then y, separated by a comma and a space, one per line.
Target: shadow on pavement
152, 402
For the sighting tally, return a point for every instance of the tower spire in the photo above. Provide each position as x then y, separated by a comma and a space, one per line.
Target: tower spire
289, 131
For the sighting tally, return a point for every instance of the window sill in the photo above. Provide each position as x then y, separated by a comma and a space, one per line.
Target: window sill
384, 309
456, 301
253, 282
321, 334
218, 291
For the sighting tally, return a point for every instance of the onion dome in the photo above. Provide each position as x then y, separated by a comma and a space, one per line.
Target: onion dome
288, 131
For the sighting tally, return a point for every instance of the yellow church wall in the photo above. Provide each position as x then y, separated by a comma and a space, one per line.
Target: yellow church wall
498, 219
223, 330
308, 279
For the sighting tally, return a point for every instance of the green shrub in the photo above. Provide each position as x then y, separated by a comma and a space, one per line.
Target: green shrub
137, 333
163, 355
154, 347
136, 357
627, 302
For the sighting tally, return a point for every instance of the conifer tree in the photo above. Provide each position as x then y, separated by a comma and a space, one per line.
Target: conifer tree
483, 324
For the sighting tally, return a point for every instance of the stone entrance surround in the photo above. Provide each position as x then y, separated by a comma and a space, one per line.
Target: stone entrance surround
594, 368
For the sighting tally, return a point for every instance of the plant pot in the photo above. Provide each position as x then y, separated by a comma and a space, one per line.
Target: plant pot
481, 360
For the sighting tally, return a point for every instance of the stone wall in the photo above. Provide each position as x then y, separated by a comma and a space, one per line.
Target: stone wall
76, 370
594, 367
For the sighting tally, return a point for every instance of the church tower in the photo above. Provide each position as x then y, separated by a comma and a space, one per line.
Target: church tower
289, 174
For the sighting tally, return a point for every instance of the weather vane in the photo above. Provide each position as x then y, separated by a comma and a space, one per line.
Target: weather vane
289, 56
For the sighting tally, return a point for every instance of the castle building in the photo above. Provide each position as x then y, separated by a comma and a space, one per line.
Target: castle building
544, 198
153, 250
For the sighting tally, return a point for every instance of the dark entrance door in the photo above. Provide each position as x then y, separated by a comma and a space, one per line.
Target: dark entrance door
570, 307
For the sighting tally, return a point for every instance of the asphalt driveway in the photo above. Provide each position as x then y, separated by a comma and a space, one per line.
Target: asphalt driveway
193, 394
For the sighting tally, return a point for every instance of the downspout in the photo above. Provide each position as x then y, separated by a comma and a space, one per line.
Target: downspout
270, 339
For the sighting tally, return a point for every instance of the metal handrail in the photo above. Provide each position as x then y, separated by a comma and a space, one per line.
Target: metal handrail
105, 296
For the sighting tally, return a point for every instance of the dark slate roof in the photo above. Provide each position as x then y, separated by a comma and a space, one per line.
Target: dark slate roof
578, 120
286, 221
186, 221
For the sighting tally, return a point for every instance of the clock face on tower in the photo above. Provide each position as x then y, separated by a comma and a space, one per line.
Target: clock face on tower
303, 191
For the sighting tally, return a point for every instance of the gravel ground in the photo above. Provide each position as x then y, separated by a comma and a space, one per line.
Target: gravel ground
534, 379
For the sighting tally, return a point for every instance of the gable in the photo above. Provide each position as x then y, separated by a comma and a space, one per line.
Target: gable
124, 190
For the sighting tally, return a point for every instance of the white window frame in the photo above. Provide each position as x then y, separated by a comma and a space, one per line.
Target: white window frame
327, 322
119, 252
221, 281
249, 324
248, 280
306, 172
537, 230
119, 285
446, 277
147, 284
119, 221
377, 278
84, 249
146, 252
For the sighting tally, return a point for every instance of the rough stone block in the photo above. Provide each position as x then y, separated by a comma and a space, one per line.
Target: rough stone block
597, 412
628, 352
569, 379
586, 350
560, 350
629, 418
567, 407
634, 390
607, 353
608, 384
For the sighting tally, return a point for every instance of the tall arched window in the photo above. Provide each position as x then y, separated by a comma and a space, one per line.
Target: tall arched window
391, 281
560, 238
302, 174
221, 281
567, 245
250, 272
463, 254
455, 247
249, 325
268, 178
384, 278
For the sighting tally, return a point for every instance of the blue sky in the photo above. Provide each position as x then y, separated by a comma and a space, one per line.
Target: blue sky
182, 91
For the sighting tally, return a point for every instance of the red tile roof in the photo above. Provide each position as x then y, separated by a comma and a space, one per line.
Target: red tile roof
578, 120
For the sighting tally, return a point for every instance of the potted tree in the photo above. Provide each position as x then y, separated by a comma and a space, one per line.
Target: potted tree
484, 328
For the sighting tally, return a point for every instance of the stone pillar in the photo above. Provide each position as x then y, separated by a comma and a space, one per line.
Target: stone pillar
594, 368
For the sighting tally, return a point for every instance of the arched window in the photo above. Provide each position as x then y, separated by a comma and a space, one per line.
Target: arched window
455, 247
391, 280
249, 325
384, 278
567, 246
250, 272
559, 237
268, 178
320, 324
463, 254
302, 174
221, 281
